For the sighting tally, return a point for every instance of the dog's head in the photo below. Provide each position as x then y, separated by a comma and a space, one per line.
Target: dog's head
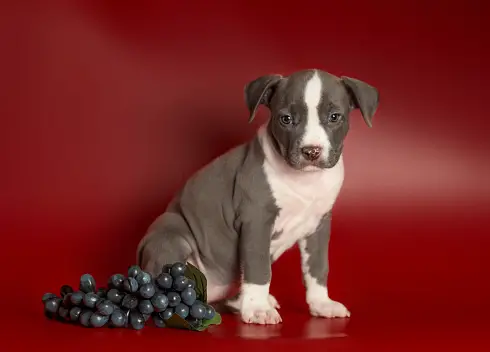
310, 114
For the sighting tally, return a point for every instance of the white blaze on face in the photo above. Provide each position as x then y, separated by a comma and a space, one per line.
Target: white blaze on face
314, 132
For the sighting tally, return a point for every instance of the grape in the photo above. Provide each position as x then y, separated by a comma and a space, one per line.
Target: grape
143, 278
164, 281
173, 299
198, 311
65, 289
159, 322
87, 283
115, 296
67, 300
85, 317
105, 307
118, 318
180, 283
116, 281
129, 302
182, 310
77, 298
159, 302
48, 296
147, 290
191, 284
75, 313
210, 312
188, 296
63, 313
136, 320
166, 268
133, 271
102, 292
130, 285
52, 305
178, 269
90, 300
98, 320
167, 313
146, 317
145, 307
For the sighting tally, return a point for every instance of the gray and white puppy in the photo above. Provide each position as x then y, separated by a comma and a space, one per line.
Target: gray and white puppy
238, 214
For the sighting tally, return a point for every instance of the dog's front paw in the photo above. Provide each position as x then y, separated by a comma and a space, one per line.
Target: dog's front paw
328, 309
260, 314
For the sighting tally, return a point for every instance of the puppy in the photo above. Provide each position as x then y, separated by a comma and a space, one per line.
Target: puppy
238, 214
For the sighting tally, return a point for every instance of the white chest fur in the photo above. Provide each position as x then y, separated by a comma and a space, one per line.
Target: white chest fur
303, 197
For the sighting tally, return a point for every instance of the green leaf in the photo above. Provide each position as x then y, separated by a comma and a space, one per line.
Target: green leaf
216, 320
191, 272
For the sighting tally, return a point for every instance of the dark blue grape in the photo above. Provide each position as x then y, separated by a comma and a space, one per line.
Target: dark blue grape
146, 317
145, 307
147, 290
198, 311
173, 299
75, 313
191, 284
180, 283
87, 283
164, 281
90, 300
167, 314
65, 289
137, 320
118, 318
63, 313
159, 302
98, 320
178, 269
116, 281
85, 317
102, 292
129, 302
130, 285
188, 296
182, 310
67, 301
143, 278
166, 268
48, 296
105, 307
77, 298
159, 322
133, 271
52, 305
115, 296
210, 312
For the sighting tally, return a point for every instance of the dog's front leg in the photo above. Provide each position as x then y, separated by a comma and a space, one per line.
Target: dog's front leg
255, 305
314, 264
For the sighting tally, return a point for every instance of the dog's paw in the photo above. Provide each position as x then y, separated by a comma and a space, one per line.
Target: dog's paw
273, 302
328, 309
260, 314
235, 303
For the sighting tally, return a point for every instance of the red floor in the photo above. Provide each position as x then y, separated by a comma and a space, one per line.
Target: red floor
107, 108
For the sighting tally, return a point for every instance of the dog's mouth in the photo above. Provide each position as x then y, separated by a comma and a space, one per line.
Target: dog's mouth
297, 162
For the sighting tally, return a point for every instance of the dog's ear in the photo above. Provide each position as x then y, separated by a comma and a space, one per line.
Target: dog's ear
363, 97
260, 91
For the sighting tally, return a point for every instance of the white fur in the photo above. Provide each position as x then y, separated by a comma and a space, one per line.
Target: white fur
317, 295
314, 132
256, 305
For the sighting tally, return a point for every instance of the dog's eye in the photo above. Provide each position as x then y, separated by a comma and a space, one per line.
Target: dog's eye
286, 119
335, 117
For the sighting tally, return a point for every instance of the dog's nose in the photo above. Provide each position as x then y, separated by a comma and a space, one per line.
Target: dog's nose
311, 152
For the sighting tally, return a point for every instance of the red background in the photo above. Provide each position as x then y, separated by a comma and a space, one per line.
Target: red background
108, 106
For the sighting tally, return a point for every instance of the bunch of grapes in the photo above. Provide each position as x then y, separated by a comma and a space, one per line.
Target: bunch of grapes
130, 301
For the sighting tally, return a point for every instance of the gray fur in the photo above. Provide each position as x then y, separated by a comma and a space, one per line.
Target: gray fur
316, 247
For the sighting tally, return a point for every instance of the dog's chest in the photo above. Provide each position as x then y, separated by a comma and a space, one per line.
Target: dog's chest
303, 201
